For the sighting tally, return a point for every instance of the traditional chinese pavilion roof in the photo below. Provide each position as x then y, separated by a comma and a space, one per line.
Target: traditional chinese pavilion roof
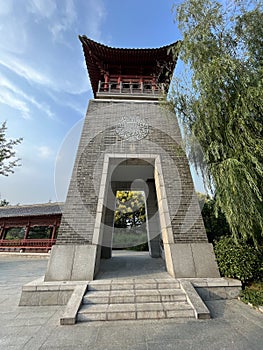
31, 210
153, 62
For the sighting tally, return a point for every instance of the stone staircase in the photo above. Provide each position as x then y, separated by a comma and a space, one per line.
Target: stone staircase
132, 299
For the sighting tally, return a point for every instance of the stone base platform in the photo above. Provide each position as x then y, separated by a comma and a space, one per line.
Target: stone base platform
197, 291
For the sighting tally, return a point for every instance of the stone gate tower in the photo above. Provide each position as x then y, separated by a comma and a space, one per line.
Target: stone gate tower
130, 140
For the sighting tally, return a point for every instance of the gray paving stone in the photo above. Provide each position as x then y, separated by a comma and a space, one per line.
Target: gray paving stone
121, 307
121, 299
176, 306
168, 285
164, 345
123, 315
6, 330
173, 298
114, 293
121, 333
179, 313
87, 317
70, 336
11, 340
147, 292
121, 286
234, 325
145, 286
156, 314
149, 307
148, 298
94, 308
96, 300
114, 346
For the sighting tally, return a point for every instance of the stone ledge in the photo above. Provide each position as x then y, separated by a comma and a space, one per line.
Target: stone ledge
193, 298
216, 288
215, 282
73, 305
40, 293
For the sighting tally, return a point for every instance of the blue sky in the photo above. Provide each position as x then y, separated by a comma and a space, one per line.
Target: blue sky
44, 85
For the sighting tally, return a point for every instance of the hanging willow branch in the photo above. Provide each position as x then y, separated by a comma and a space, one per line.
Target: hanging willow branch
220, 105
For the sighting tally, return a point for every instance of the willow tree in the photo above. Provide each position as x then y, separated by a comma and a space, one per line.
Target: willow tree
220, 105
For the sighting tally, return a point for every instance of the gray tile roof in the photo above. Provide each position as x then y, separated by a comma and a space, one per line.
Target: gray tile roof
31, 210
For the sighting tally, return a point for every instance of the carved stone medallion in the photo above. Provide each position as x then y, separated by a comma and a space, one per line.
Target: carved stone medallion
132, 128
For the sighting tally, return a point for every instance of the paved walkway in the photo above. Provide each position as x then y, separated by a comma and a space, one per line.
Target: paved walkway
129, 264
234, 324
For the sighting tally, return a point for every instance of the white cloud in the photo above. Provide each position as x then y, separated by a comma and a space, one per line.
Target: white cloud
5, 7
10, 100
97, 13
65, 21
45, 152
42, 8
27, 48
22, 69
13, 29
75, 84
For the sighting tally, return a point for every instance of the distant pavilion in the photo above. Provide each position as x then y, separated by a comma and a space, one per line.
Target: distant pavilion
31, 228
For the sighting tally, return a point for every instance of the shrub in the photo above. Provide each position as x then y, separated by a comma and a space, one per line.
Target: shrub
253, 294
238, 260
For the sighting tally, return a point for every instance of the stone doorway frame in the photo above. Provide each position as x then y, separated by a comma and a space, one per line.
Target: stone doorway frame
164, 216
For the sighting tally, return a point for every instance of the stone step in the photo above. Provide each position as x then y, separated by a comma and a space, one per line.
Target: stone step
134, 296
133, 285
133, 299
133, 311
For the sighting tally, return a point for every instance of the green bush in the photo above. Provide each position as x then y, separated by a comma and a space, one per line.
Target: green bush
253, 294
125, 238
238, 260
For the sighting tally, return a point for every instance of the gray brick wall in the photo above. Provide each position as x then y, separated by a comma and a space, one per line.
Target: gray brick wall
98, 138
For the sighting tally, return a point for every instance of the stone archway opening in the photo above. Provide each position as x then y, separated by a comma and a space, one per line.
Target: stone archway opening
130, 221
130, 175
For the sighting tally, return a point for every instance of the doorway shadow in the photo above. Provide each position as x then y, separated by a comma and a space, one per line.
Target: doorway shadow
131, 264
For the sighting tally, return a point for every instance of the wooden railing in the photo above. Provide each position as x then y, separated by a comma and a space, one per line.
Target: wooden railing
26, 244
114, 87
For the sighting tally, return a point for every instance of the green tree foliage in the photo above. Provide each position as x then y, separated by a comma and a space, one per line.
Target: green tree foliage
129, 221
215, 223
220, 105
7, 153
130, 209
3, 203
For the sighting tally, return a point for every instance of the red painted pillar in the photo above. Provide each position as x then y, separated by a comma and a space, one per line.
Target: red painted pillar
2, 230
27, 231
119, 83
141, 84
106, 84
54, 231
154, 87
